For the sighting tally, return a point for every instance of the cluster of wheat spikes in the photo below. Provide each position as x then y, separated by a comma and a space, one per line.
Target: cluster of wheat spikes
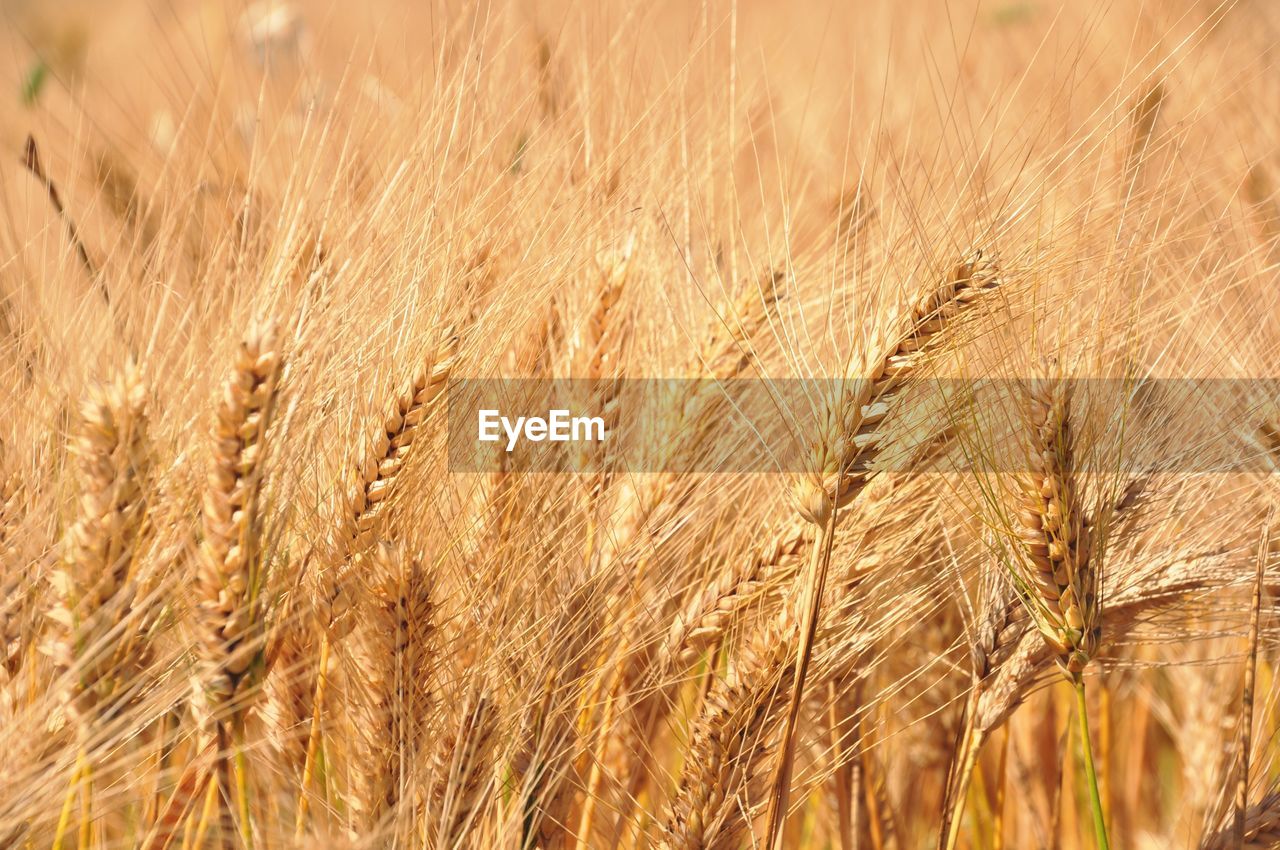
954, 526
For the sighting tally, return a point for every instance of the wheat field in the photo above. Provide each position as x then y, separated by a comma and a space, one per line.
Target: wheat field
935, 340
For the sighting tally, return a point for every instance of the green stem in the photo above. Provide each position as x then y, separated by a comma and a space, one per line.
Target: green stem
966, 761
242, 787
1086, 747
73, 790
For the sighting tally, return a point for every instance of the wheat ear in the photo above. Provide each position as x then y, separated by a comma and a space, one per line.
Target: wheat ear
726, 763
462, 774
92, 581
1055, 569
359, 517
994, 639
706, 620
230, 577
362, 506
391, 449
1261, 828
394, 673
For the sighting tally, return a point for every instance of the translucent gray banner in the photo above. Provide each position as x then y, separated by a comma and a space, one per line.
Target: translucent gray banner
760, 425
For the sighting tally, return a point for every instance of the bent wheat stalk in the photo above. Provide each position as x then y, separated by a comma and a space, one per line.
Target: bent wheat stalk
994, 640
1266, 551
360, 515
842, 464
715, 802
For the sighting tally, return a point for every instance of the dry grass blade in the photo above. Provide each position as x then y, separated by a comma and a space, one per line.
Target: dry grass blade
31, 161
1146, 110
843, 463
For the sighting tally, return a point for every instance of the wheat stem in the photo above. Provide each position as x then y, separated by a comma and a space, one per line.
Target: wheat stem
73, 790
85, 837
206, 811
1250, 673
966, 761
313, 740
242, 788
997, 827
1091, 776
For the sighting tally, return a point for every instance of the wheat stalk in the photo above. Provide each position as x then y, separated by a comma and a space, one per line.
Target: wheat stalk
13, 576
842, 464
360, 514
230, 577
1055, 542
707, 618
993, 642
359, 519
